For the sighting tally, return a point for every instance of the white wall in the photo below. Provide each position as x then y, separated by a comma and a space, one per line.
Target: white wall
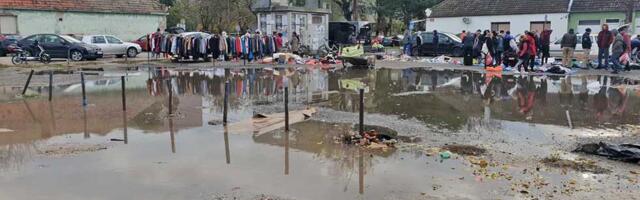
126, 26
519, 23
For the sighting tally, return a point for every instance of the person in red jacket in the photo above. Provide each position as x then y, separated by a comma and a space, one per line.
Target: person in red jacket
605, 39
525, 53
279, 41
533, 49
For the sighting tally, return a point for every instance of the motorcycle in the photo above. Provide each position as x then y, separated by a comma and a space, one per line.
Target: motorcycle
23, 56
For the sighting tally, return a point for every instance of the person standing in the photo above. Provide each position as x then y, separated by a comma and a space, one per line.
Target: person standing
545, 40
533, 44
477, 45
407, 42
586, 47
278, 41
605, 38
435, 41
295, 43
568, 45
468, 42
507, 39
491, 47
524, 54
463, 34
617, 49
500, 47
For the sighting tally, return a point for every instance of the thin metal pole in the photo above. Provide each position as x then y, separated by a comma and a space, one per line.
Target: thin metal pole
226, 145
124, 124
26, 85
173, 137
50, 85
169, 86
84, 95
286, 153
286, 108
124, 96
361, 111
226, 103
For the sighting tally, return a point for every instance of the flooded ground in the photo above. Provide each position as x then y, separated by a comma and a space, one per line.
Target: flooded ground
511, 136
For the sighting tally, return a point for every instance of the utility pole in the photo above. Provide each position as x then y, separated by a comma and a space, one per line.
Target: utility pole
355, 10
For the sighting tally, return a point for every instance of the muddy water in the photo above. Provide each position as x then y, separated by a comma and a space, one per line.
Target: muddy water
60, 150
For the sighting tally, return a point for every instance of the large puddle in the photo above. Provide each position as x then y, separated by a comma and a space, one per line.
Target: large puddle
60, 150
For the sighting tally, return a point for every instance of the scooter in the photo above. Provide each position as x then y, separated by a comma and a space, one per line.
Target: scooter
22, 56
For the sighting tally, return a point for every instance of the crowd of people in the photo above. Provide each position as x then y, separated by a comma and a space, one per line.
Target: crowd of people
522, 52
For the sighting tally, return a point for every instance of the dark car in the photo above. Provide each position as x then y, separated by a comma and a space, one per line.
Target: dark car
8, 43
392, 41
61, 46
448, 44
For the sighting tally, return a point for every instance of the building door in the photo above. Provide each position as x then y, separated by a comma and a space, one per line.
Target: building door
317, 32
8, 24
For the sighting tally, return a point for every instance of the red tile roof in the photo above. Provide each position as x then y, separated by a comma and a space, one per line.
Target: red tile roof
103, 6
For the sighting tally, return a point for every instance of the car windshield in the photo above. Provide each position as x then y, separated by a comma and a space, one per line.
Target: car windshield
70, 39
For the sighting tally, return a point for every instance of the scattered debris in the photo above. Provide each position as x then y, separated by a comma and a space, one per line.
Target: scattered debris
70, 149
578, 165
466, 150
622, 152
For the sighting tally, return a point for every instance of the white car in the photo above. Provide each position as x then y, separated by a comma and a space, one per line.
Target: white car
555, 46
112, 45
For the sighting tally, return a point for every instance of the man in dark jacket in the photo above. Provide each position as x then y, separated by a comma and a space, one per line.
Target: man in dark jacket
605, 38
435, 41
467, 43
568, 45
586, 47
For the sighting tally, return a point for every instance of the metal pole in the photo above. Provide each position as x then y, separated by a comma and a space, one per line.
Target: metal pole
361, 111
170, 97
226, 103
50, 85
226, 145
84, 95
26, 85
173, 137
124, 96
286, 108
286, 153
124, 123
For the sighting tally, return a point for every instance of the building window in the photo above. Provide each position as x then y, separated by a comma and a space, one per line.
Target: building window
279, 22
584, 24
539, 26
8, 24
263, 23
613, 23
500, 26
316, 19
321, 4
298, 3
303, 22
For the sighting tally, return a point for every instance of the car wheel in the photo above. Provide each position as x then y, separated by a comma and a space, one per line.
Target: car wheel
457, 52
132, 52
415, 51
76, 55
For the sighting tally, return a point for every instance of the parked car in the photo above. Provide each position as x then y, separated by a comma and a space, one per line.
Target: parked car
392, 41
555, 46
60, 46
142, 41
449, 44
8, 43
112, 45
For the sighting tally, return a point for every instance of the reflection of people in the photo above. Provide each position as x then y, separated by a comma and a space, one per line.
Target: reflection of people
566, 93
600, 102
526, 96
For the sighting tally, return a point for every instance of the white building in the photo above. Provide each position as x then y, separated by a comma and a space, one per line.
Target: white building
308, 18
516, 16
